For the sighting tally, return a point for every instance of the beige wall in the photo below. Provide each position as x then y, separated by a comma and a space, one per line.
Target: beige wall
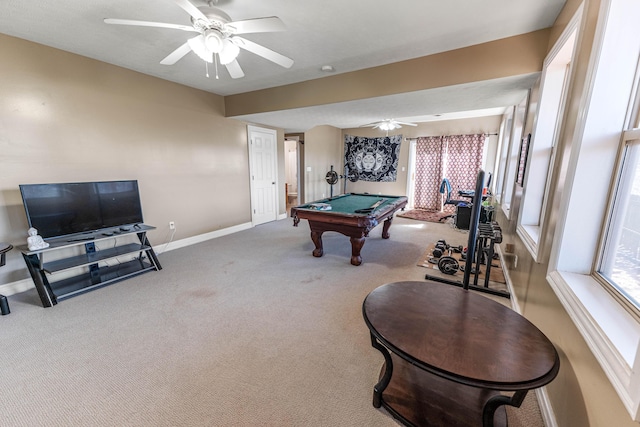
68, 118
518, 55
581, 395
321, 150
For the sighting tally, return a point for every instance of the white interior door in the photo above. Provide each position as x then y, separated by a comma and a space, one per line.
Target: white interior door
263, 169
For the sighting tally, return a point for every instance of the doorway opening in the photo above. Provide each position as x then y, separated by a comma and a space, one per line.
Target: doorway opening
293, 163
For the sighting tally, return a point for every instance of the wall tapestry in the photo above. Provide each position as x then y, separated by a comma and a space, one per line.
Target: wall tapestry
375, 159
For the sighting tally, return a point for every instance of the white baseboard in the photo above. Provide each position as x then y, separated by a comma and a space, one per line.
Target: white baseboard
162, 248
515, 305
26, 284
16, 287
546, 410
548, 416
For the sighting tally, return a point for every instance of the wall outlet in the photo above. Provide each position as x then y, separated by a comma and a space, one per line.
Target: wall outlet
172, 225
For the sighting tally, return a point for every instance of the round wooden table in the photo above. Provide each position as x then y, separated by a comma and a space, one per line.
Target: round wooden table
449, 353
4, 304
4, 248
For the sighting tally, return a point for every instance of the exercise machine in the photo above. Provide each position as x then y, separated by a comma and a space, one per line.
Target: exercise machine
332, 178
480, 250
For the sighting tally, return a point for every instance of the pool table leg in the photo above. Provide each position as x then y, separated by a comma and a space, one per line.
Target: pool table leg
385, 227
356, 246
316, 237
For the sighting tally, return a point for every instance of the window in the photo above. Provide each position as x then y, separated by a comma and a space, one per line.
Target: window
513, 156
620, 263
556, 72
589, 261
504, 137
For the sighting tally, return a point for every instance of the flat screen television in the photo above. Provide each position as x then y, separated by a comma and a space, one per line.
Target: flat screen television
79, 207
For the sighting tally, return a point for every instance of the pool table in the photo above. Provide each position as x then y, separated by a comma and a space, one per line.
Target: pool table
351, 214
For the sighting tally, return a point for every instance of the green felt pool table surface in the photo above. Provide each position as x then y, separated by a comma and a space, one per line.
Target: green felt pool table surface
344, 218
350, 203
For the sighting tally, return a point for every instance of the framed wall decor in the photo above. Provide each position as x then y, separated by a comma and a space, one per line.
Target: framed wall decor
522, 164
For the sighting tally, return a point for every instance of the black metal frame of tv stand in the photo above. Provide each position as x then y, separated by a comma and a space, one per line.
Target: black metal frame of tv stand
51, 293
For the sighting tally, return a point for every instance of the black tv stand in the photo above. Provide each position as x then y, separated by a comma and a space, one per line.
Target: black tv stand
81, 239
79, 257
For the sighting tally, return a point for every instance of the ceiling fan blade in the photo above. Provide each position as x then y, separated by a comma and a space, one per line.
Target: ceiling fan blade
405, 123
191, 10
264, 52
234, 69
257, 25
177, 54
370, 125
148, 24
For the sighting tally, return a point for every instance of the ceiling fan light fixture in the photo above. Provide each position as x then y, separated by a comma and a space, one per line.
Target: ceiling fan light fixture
229, 52
197, 45
388, 125
214, 40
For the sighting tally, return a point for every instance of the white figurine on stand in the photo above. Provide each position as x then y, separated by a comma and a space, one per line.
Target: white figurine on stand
34, 241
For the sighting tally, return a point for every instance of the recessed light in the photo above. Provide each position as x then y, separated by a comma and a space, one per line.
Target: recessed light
327, 69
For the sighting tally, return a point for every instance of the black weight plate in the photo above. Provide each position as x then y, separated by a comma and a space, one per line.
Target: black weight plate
448, 265
331, 177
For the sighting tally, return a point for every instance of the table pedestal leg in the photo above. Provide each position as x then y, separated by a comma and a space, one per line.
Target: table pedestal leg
388, 371
356, 247
316, 236
385, 227
497, 401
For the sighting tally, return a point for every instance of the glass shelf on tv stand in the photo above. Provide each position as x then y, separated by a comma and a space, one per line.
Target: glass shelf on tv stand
88, 237
52, 292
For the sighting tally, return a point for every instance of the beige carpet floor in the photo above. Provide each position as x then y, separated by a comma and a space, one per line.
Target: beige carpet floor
244, 330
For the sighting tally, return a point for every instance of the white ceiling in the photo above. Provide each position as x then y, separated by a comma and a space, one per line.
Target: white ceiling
347, 34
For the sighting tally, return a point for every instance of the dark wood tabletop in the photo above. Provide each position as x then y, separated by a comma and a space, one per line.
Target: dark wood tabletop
460, 336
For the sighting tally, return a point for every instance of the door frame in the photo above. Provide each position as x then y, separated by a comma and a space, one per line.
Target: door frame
299, 137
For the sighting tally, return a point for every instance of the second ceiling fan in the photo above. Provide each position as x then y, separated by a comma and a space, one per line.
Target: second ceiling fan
217, 36
388, 124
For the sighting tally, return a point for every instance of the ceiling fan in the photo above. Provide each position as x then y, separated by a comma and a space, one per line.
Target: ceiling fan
388, 124
217, 36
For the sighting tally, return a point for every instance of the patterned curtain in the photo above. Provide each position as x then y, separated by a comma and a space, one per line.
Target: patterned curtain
463, 160
429, 156
456, 157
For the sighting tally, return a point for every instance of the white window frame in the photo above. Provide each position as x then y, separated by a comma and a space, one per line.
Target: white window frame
509, 187
500, 160
630, 140
610, 330
554, 87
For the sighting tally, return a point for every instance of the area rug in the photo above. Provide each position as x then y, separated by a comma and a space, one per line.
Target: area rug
423, 215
